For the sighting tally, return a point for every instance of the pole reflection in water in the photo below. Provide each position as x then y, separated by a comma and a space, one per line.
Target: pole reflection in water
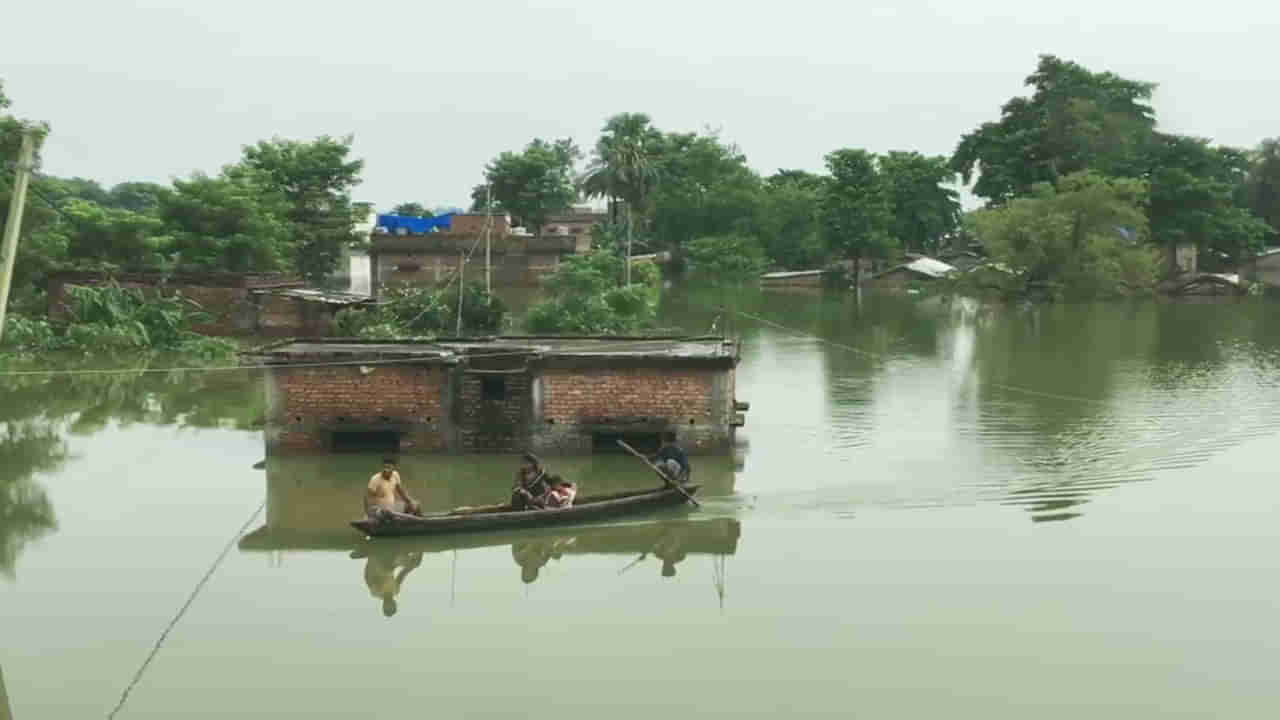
5, 712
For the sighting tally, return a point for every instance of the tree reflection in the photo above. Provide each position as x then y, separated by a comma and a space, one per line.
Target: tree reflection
39, 412
26, 515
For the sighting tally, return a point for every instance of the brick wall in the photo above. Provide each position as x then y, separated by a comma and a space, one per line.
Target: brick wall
490, 424
472, 224
388, 393
575, 396
313, 403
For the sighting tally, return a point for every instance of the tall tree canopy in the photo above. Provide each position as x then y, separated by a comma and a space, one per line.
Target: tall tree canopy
624, 163
1263, 187
411, 209
924, 208
1074, 120
536, 182
857, 212
315, 180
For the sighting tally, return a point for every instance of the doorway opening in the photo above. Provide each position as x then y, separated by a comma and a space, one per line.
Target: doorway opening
367, 441
607, 442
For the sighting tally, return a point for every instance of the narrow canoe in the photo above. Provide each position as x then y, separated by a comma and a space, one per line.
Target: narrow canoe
496, 517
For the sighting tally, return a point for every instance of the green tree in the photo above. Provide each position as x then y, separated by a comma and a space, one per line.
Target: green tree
707, 189
227, 223
924, 209
536, 182
1198, 196
856, 210
314, 179
1084, 238
118, 237
788, 223
587, 294
139, 197
624, 163
1262, 191
727, 259
411, 209
1074, 120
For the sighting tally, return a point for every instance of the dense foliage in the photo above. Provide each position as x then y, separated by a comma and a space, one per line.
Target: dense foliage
1219, 199
114, 319
588, 296
1084, 237
285, 206
404, 312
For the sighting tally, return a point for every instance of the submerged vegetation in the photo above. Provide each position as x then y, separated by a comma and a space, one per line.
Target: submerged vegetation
406, 312
588, 295
114, 319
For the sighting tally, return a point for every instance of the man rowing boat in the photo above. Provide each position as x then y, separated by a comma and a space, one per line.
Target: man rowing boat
386, 494
673, 461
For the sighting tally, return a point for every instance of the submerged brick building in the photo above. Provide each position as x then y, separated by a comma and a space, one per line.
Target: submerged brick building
551, 395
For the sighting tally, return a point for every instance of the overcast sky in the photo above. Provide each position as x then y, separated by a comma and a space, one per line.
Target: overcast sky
432, 90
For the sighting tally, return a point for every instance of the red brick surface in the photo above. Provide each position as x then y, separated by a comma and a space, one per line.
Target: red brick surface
388, 394
571, 396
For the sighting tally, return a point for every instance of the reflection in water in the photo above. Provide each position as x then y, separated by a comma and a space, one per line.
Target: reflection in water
388, 561
5, 712
951, 401
384, 573
311, 499
39, 412
26, 448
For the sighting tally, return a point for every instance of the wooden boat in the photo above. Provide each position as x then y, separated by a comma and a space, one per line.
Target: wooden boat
497, 517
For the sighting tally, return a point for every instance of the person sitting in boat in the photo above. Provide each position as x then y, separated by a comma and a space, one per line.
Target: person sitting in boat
386, 494
532, 484
674, 461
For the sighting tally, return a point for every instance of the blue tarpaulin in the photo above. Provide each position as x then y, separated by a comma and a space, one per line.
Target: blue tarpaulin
415, 225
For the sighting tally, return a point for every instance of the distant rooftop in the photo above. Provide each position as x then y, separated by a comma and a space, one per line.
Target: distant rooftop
452, 350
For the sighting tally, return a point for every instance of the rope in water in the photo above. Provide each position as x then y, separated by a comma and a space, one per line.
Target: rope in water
137, 676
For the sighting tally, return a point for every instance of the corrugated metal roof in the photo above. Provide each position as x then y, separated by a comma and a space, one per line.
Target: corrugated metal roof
791, 274
931, 267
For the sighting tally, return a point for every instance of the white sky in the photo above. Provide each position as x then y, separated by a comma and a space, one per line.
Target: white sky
432, 90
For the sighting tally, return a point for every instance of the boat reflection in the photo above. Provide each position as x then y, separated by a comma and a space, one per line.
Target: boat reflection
311, 500
389, 560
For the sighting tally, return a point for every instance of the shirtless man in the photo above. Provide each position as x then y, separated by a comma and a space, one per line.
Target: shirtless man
386, 493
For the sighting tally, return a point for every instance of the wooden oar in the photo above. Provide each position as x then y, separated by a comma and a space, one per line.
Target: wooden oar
666, 480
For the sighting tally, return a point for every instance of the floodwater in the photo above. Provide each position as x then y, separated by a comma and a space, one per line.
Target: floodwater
939, 509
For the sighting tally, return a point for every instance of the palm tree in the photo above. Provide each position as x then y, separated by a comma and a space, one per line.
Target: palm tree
624, 166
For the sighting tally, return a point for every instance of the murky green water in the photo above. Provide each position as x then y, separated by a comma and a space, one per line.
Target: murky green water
946, 510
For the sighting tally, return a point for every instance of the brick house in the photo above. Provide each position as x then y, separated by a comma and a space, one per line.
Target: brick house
551, 395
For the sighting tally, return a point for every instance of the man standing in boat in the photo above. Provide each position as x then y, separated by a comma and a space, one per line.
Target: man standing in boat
386, 494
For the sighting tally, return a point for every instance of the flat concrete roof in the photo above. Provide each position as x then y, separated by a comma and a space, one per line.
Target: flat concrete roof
452, 350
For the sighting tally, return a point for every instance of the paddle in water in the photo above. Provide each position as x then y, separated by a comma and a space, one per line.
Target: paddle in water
661, 474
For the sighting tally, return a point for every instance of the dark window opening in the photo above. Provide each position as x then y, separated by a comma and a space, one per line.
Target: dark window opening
493, 388
407, 267
370, 441
645, 442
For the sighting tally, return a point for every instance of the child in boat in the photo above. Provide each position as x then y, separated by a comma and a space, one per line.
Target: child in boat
560, 495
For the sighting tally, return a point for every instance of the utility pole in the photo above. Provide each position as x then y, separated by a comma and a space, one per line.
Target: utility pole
462, 278
9, 250
629, 224
488, 224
